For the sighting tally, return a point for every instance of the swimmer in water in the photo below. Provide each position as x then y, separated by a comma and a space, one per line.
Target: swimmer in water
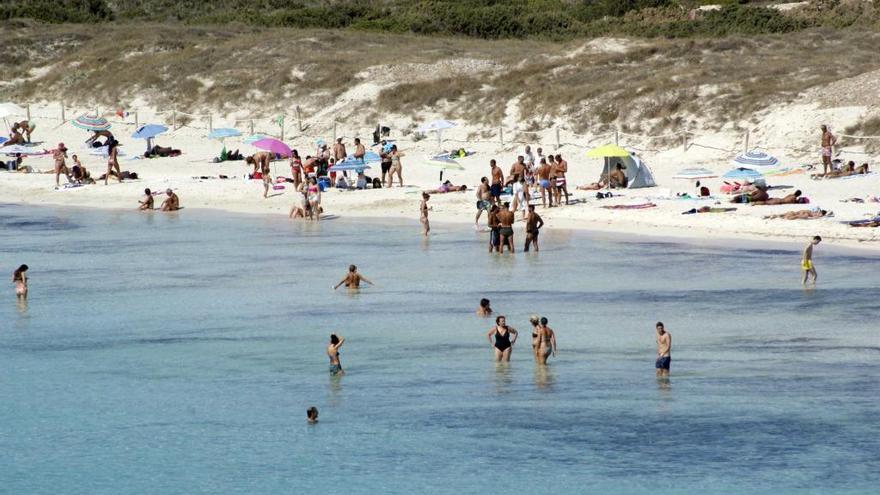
504, 336
19, 278
353, 279
484, 309
312, 415
333, 353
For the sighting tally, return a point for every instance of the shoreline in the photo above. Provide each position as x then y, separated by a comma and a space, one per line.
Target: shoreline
598, 230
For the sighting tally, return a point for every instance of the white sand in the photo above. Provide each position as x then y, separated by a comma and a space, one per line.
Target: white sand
790, 133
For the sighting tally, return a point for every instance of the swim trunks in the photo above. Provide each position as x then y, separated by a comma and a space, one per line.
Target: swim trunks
506, 231
663, 363
386, 166
335, 369
494, 236
495, 190
826, 151
807, 265
484, 205
560, 181
545, 183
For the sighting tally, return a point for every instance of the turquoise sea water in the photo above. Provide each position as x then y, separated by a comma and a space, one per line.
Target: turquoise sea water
178, 354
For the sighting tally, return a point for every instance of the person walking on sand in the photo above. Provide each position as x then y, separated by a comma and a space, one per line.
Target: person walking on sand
113, 160
171, 203
147, 202
353, 279
664, 350
423, 208
396, 167
807, 261
546, 342
484, 200
59, 155
505, 220
265, 171
19, 278
504, 339
336, 342
534, 223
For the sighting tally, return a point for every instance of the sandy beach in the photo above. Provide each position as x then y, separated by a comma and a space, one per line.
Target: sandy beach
789, 133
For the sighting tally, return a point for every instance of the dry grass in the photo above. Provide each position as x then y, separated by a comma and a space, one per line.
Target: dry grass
656, 85
868, 127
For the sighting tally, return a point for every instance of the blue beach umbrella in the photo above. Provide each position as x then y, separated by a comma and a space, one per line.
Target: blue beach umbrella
3, 139
253, 139
742, 173
348, 166
223, 133
149, 131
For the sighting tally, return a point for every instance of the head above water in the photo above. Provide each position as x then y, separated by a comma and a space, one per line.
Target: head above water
534, 319
484, 303
22, 269
169, 192
312, 414
501, 321
544, 321
352, 268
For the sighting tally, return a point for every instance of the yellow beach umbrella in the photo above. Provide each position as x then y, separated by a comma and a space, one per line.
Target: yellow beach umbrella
608, 151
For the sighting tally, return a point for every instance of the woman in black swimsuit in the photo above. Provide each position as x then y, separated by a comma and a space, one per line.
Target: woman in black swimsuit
505, 337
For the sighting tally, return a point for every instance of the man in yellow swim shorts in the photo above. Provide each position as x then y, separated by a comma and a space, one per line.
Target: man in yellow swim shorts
807, 260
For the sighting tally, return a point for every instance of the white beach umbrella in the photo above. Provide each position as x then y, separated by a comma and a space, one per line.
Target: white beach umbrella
437, 126
9, 109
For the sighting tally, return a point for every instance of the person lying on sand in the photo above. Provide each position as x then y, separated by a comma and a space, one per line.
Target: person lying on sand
171, 203
791, 199
707, 209
800, 215
869, 223
848, 170
751, 195
447, 187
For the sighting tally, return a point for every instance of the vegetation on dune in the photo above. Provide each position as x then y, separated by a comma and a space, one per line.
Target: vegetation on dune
868, 127
488, 19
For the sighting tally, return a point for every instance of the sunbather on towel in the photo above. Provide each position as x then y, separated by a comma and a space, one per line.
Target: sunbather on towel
867, 223
800, 215
791, 199
447, 187
846, 171
758, 194
707, 209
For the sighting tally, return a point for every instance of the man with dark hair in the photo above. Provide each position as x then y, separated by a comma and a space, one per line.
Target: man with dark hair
664, 350
807, 261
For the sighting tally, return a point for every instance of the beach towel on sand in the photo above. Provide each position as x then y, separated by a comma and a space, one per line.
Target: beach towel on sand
641, 206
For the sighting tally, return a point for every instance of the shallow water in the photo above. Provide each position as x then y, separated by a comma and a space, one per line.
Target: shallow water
178, 354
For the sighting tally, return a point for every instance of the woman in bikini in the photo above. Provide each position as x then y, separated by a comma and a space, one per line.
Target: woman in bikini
314, 198
19, 278
296, 168
504, 337
546, 342
333, 353
112, 161
396, 167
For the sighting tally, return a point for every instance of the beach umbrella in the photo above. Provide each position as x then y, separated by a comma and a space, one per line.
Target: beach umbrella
3, 139
91, 123
9, 109
17, 149
695, 174
444, 164
742, 173
349, 165
755, 160
149, 131
608, 151
273, 145
437, 126
254, 138
369, 157
223, 133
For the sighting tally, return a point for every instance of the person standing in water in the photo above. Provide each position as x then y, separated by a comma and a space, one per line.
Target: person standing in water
485, 309
535, 320
807, 261
546, 342
423, 208
504, 336
333, 353
534, 222
352, 279
19, 278
664, 350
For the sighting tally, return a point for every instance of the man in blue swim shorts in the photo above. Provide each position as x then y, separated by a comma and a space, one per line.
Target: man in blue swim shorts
664, 350
497, 181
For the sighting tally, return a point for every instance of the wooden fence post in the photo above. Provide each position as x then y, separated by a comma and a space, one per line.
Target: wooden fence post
281, 125
616, 136
558, 144
746, 146
63, 117
299, 121
174, 119
334, 131
252, 127
684, 140
136, 121
210, 122
501, 135
27, 109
